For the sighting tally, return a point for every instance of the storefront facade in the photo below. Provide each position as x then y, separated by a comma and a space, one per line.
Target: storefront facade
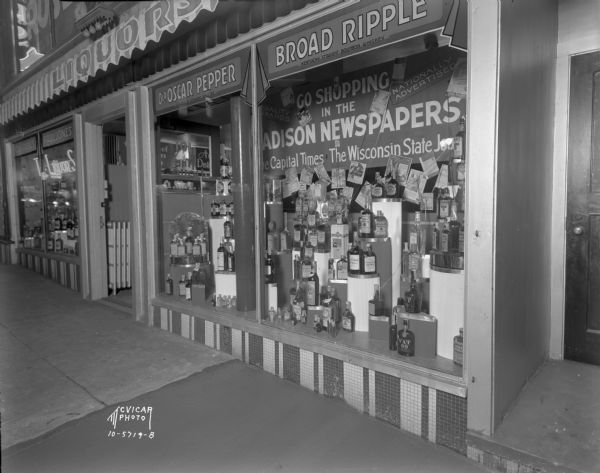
252, 163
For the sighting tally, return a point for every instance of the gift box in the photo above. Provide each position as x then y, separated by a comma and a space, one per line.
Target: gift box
424, 327
379, 327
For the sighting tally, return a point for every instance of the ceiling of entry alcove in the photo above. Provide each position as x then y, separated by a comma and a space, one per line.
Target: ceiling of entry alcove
217, 111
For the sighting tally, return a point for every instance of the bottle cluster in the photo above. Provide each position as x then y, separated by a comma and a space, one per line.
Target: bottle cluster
190, 248
221, 209
226, 251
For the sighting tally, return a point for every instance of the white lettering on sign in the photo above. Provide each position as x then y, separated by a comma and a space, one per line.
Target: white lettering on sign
315, 43
55, 168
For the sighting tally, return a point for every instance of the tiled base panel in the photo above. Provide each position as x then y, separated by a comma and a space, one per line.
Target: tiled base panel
65, 273
434, 415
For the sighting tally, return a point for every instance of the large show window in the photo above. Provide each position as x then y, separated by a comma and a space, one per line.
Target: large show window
364, 180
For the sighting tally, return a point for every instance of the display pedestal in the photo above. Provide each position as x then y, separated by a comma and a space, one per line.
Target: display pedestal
392, 209
272, 302
447, 305
383, 250
216, 233
322, 260
225, 284
360, 291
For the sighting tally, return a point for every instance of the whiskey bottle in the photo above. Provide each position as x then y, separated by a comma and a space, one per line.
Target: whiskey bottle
169, 285
376, 304
381, 225
298, 233
189, 242
188, 287
58, 243
348, 319
284, 240
393, 338
405, 262
323, 234
312, 287
342, 268
445, 238
378, 189
50, 242
227, 228
444, 202
309, 249
221, 256
269, 269
180, 247
230, 261
196, 248
331, 269
365, 222
406, 341
391, 186
457, 353
369, 261
413, 297
182, 284
458, 152
355, 257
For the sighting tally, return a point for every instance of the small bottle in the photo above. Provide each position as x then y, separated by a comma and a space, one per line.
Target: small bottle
376, 304
323, 234
342, 268
50, 242
381, 225
269, 269
221, 256
404, 261
348, 319
227, 228
214, 209
284, 240
393, 338
309, 249
196, 248
312, 287
174, 244
182, 284
413, 298
458, 151
369, 261
298, 233
169, 285
331, 269
230, 261
391, 186
444, 203
445, 238
189, 242
457, 353
355, 257
378, 189
365, 222
188, 287
58, 243
406, 340
180, 247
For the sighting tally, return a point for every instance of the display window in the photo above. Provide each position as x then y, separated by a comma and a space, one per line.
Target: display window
47, 192
363, 164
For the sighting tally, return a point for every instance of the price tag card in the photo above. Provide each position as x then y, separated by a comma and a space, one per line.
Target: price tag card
356, 173
403, 169
380, 102
442, 179
348, 192
338, 178
430, 167
427, 202
322, 173
411, 196
363, 195
306, 175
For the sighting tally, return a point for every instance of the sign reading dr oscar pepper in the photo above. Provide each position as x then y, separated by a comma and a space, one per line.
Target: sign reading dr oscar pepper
207, 82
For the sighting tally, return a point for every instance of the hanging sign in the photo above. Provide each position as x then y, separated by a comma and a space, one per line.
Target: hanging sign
26, 146
143, 23
373, 24
365, 117
218, 78
57, 135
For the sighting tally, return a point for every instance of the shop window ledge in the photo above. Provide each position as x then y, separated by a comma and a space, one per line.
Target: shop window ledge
67, 258
355, 348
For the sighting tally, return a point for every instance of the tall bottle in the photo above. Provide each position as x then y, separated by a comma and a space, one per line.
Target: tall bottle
376, 304
369, 258
393, 332
405, 259
312, 287
269, 269
457, 353
348, 319
381, 225
188, 287
342, 268
413, 297
272, 238
355, 257
284, 239
182, 284
323, 234
365, 222
228, 228
221, 256
406, 340
174, 244
392, 188
459, 143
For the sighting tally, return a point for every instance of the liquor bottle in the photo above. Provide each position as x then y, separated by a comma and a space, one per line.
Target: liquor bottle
406, 340
57, 222
355, 256
445, 238
298, 205
369, 261
269, 269
182, 284
309, 249
331, 269
393, 334
311, 216
189, 242
230, 209
174, 243
323, 234
70, 227
284, 239
348, 319
457, 353
381, 225
336, 305
313, 237
365, 222
272, 238
413, 297
312, 287
58, 243
331, 308
188, 287
180, 247
221, 256
437, 233
230, 261
405, 262
214, 209
50, 242
458, 152
196, 248
342, 268
227, 228
391, 186
453, 235
376, 304
298, 300
378, 189
298, 233
203, 247
223, 208
169, 285
444, 202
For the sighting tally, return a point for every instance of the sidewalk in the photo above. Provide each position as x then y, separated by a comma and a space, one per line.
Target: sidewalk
66, 365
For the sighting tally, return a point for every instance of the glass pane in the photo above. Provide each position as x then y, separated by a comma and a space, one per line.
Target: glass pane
31, 209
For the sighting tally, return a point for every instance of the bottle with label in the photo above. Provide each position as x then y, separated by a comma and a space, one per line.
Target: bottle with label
342, 268
413, 298
188, 287
355, 257
323, 234
369, 261
458, 151
444, 203
381, 225
284, 240
393, 338
272, 238
196, 248
203, 247
58, 243
214, 209
180, 247
182, 284
223, 208
227, 228
445, 238
189, 242
405, 262
313, 237
348, 319
298, 233
311, 215
269, 269
221, 256
331, 269
378, 189
312, 287
174, 244
309, 249
391, 186
365, 221
50, 242
437, 235
406, 341
70, 226
457, 353
230, 261
376, 304
169, 285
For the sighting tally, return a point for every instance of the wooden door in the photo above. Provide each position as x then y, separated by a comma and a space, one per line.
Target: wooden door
582, 304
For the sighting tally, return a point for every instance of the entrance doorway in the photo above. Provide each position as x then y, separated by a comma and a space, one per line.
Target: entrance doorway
117, 212
582, 302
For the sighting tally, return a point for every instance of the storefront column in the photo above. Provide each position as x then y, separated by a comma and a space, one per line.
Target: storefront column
243, 198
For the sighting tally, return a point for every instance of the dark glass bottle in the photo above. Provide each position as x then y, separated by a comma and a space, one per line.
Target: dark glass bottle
269, 269
189, 242
392, 187
393, 339
169, 285
458, 152
221, 256
228, 228
312, 287
369, 259
406, 341
365, 222
348, 319
182, 286
376, 304
355, 257
188, 287
413, 297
